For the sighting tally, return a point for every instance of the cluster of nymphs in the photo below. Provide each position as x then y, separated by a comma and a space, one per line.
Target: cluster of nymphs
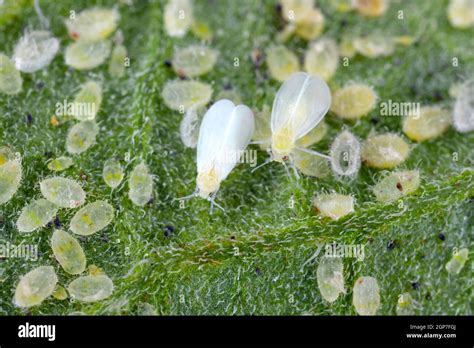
295, 122
34, 51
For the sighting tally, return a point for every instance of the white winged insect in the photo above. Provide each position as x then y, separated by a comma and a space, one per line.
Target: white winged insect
225, 132
299, 106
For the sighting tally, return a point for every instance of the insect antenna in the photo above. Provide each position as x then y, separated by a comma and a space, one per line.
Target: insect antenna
44, 21
312, 152
192, 195
270, 159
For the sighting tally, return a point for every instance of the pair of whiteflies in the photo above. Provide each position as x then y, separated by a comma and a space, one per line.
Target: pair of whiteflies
299, 106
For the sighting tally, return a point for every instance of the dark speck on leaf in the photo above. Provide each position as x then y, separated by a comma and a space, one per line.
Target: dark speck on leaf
374, 120
415, 285
49, 224
40, 85
232, 237
168, 63
278, 8
437, 96
151, 201
399, 186
48, 154
228, 86
57, 222
397, 61
168, 231
441, 236
29, 119
428, 296
343, 23
414, 89
391, 245
258, 271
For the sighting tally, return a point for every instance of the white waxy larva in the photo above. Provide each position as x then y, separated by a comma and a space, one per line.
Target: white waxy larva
396, 185
63, 192
314, 136
384, 151
296, 10
463, 117
334, 205
140, 185
81, 136
86, 55
87, 102
311, 165
322, 58
189, 127
60, 164
311, 26
461, 13
345, 154
10, 78
330, 278
374, 46
112, 173
118, 61
225, 132
91, 288
353, 101
92, 218
36, 214
457, 262
93, 24
34, 51
35, 286
371, 8
366, 296
10, 179
430, 123
182, 95
68, 252
178, 17
194, 60
282, 63
405, 304
299, 106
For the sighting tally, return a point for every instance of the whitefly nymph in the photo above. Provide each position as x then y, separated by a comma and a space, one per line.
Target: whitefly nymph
34, 51
345, 154
225, 132
299, 106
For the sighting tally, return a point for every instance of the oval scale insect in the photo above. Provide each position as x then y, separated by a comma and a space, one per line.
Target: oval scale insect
345, 154
10, 179
182, 95
10, 78
330, 278
35, 286
405, 304
366, 296
282, 63
384, 151
463, 117
140, 185
92, 218
91, 288
63, 192
68, 252
322, 58
178, 17
353, 101
36, 214
396, 185
60, 164
112, 173
93, 24
334, 205
430, 123
194, 60
86, 55
189, 127
81, 137
457, 262
35, 50
87, 102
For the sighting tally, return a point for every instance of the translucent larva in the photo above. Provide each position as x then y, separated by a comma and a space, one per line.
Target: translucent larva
60, 164
182, 95
457, 262
202, 31
334, 205
68, 252
34, 51
189, 127
405, 304
299, 106
461, 13
10, 78
35, 286
311, 165
384, 151
366, 296
91, 288
463, 117
60, 293
311, 26
63, 192
322, 58
87, 102
282, 63
92, 218
81, 136
345, 154
296, 10
6, 155
117, 61
430, 123
93, 24
371, 8
314, 136
194, 60
346, 47
373, 46
86, 55
396, 185
353, 101
225, 132
140, 185
178, 17
330, 278
263, 131
112, 173
36, 214
10, 179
